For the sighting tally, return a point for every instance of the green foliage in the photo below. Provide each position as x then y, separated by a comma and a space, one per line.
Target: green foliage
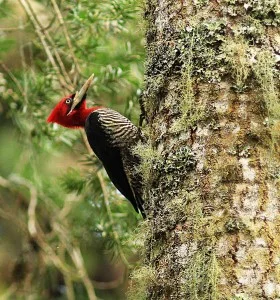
76, 206
5, 8
95, 29
6, 45
73, 181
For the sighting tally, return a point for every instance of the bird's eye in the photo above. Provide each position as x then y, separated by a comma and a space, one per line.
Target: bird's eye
68, 101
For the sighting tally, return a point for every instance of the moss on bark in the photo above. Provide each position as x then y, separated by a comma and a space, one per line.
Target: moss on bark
211, 106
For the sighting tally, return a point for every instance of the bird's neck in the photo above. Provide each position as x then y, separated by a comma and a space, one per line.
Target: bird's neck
81, 118
78, 117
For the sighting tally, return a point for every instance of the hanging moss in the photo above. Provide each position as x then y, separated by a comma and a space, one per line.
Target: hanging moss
143, 275
264, 70
191, 111
236, 55
141, 279
150, 159
152, 95
201, 275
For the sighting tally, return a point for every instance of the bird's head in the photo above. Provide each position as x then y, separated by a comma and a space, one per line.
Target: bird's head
71, 111
63, 115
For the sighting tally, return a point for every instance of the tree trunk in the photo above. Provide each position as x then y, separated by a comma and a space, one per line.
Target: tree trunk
211, 166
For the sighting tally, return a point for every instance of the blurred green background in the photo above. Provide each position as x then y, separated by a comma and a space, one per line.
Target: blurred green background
66, 233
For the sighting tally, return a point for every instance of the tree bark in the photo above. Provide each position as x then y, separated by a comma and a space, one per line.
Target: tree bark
211, 165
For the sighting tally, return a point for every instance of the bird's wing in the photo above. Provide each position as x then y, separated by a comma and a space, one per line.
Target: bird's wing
112, 137
119, 130
131, 163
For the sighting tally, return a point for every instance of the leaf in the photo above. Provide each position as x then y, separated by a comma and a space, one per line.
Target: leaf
6, 45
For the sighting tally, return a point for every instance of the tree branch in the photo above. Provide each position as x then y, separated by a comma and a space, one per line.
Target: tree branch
14, 79
110, 215
42, 36
68, 40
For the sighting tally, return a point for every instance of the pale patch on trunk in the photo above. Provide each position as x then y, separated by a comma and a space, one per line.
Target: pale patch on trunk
248, 173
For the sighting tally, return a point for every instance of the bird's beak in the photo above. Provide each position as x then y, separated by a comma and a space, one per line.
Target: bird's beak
79, 95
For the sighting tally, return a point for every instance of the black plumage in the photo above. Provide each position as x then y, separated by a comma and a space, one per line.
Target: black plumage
112, 137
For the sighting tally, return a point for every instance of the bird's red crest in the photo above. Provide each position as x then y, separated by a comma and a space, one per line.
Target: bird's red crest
60, 111
75, 119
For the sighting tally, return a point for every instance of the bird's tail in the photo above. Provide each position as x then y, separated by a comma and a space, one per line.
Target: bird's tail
140, 205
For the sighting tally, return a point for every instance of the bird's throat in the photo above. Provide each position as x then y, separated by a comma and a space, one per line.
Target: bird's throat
78, 118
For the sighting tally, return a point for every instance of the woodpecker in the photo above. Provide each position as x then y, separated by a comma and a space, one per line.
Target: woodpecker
111, 137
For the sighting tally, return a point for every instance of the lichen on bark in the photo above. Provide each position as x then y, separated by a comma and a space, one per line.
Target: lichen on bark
211, 170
